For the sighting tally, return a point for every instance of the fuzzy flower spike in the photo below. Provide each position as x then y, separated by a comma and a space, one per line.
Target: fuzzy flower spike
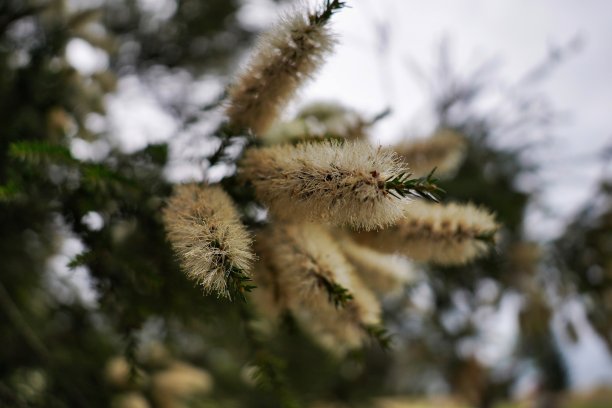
213, 246
318, 121
445, 151
384, 273
306, 273
451, 234
349, 183
283, 59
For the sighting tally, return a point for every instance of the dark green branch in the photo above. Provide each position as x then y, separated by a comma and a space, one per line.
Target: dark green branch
487, 237
402, 185
336, 293
270, 369
36, 152
21, 325
382, 115
379, 334
322, 16
238, 282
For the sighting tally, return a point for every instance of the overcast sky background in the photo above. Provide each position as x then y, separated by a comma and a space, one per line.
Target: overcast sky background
379, 40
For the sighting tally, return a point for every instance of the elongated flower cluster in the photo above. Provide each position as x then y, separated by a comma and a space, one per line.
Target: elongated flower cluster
211, 243
340, 184
319, 121
317, 174
283, 59
381, 272
444, 151
176, 383
306, 273
449, 234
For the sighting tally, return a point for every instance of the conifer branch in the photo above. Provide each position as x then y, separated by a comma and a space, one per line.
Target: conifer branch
402, 186
486, 237
20, 323
9, 191
379, 334
336, 293
228, 139
238, 282
269, 373
36, 152
380, 116
324, 138
327, 11
95, 175
79, 260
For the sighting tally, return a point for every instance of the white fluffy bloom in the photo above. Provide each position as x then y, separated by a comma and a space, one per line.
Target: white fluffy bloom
450, 234
283, 59
205, 231
330, 182
444, 151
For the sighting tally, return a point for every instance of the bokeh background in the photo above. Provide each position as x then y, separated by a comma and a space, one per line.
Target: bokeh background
106, 103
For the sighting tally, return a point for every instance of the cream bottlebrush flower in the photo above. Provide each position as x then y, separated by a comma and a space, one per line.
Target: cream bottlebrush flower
322, 120
383, 273
330, 182
283, 59
271, 299
451, 234
172, 387
444, 151
314, 281
130, 400
118, 373
205, 230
